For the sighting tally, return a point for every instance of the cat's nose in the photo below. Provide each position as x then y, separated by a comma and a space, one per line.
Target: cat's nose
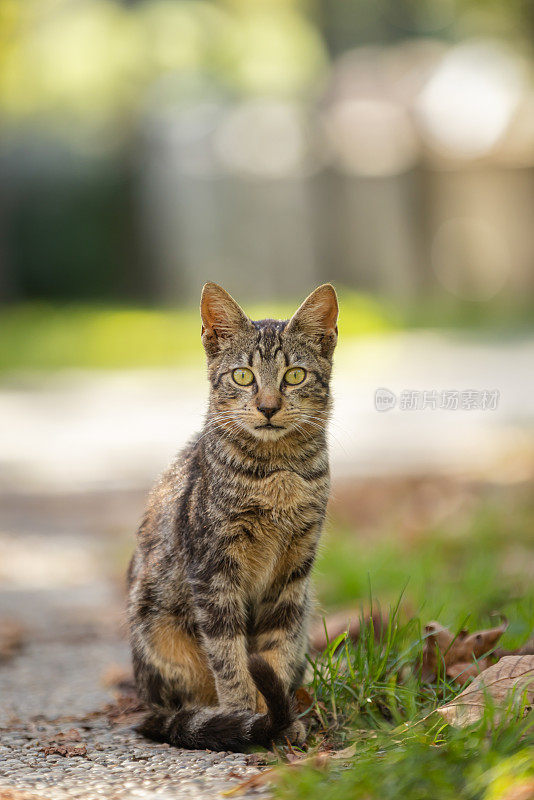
269, 407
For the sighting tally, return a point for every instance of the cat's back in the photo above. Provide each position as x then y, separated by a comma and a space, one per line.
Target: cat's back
157, 531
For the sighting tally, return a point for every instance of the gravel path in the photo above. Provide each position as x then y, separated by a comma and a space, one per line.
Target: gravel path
62, 732
114, 764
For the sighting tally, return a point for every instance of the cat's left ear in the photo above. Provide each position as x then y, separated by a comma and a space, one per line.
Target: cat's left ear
221, 317
317, 318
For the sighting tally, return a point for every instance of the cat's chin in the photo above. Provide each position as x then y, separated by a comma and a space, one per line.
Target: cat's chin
268, 433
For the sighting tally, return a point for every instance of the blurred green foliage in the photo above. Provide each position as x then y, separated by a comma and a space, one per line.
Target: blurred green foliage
456, 765
92, 61
458, 572
44, 337
40, 336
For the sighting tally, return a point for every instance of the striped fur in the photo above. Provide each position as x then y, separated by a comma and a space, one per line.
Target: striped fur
219, 593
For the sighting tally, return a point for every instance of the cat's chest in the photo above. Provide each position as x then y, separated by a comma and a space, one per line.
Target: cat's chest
277, 528
273, 552
282, 493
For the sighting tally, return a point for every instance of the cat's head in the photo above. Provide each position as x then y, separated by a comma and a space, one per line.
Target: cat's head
269, 378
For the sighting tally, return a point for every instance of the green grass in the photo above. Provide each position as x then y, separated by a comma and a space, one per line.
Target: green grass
370, 693
45, 337
42, 337
432, 763
477, 560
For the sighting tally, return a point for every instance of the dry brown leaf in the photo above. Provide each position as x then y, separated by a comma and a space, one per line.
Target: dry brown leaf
511, 676
346, 753
260, 779
458, 654
304, 700
319, 760
462, 672
55, 748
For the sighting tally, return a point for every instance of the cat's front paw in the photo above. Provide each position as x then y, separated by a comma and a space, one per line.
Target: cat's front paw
296, 733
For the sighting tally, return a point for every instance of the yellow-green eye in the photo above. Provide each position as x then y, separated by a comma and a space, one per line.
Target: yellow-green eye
294, 376
243, 376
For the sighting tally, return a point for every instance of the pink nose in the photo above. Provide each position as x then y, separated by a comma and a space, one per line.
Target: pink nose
269, 407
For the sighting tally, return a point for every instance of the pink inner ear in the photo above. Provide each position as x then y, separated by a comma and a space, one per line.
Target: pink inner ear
327, 313
220, 313
213, 318
318, 313
217, 322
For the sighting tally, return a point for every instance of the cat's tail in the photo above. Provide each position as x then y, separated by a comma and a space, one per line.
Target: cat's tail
212, 728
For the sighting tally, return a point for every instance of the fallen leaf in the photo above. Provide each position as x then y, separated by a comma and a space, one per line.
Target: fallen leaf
260, 779
346, 753
459, 654
304, 700
511, 676
463, 671
319, 760
65, 749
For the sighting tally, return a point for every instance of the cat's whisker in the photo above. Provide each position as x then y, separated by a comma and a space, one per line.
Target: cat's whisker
332, 428
326, 429
212, 425
330, 422
221, 415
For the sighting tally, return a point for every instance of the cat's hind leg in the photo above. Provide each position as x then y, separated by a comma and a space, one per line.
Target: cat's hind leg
170, 666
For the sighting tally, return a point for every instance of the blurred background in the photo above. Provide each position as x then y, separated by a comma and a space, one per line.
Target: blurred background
387, 146
268, 145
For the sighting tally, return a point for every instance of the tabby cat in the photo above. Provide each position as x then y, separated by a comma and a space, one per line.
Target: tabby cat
219, 593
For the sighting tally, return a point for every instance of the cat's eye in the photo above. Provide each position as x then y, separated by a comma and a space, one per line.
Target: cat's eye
294, 376
243, 376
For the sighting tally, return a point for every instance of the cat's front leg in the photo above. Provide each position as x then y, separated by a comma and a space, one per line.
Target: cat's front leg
221, 618
281, 632
281, 638
228, 659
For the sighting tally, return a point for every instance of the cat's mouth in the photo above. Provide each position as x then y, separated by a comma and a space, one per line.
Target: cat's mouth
269, 427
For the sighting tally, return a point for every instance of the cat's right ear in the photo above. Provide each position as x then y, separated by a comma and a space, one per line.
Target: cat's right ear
221, 317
